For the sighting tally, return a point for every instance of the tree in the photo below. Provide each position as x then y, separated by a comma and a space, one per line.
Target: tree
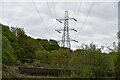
7, 52
53, 45
27, 48
89, 62
9, 35
117, 64
18, 31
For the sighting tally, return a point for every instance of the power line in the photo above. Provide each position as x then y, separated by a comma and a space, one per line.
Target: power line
87, 15
2, 7
79, 8
75, 7
50, 12
77, 12
54, 9
40, 17
49, 8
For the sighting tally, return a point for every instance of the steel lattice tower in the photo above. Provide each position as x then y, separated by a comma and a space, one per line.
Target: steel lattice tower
65, 42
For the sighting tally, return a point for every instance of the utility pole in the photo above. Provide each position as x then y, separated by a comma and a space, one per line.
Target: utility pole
65, 42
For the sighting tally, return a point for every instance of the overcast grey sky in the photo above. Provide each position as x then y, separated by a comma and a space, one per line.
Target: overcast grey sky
97, 21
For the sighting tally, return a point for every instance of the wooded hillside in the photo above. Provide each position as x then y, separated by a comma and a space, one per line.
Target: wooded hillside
19, 49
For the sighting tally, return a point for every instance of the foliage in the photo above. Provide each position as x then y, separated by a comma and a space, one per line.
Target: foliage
56, 58
60, 58
9, 35
7, 52
0, 45
117, 63
18, 31
89, 62
10, 72
24, 47
53, 45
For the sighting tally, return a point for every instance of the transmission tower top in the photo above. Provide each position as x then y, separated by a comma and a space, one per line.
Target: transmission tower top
65, 42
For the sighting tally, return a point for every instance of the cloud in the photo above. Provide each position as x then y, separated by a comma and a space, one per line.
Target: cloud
100, 27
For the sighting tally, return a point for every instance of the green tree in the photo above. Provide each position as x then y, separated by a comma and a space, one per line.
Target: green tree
117, 63
89, 62
18, 31
7, 52
9, 35
53, 45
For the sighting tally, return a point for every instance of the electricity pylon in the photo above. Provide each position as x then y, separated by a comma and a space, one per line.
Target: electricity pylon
65, 42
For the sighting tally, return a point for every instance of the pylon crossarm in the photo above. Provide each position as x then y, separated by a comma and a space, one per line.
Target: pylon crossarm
73, 29
73, 19
59, 31
74, 40
59, 20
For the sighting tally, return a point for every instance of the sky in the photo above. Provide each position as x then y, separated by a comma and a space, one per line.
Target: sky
97, 22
